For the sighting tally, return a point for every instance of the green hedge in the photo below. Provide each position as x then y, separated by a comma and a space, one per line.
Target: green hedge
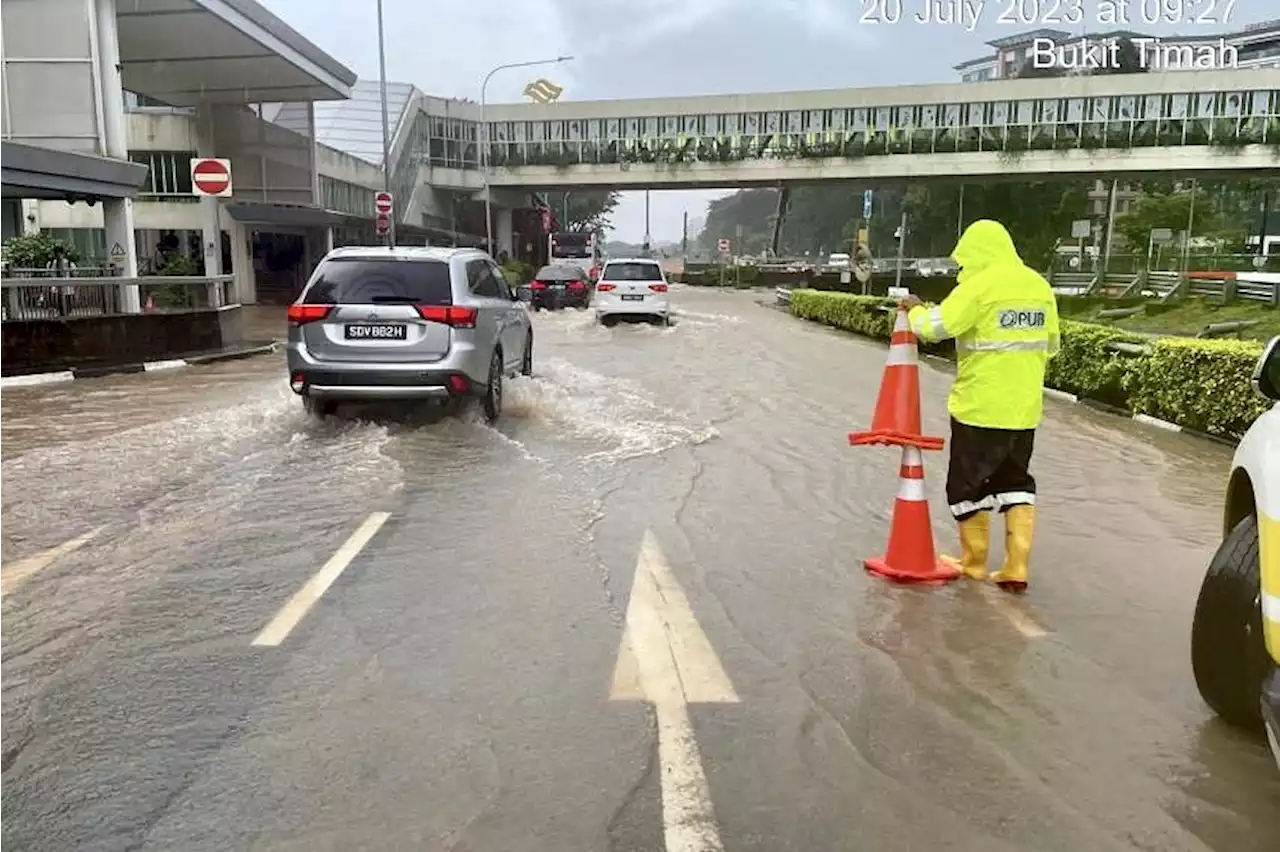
1202, 385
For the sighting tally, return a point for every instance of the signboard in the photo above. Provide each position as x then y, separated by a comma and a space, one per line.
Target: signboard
1081, 228
210, 177
867, 198
1161, 235
117, 253
723, 245
383, 203
383, 223
899, 292
846, 276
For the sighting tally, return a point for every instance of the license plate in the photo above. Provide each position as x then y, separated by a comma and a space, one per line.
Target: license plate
557, 286
381, 331
633, 298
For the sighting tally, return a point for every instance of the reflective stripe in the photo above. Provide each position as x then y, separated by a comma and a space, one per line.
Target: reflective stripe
1271, 607
911, 489
1015, 498
902, 355
1055, 343
937, 330
1003, 345
964, 507
912, 456
901, 323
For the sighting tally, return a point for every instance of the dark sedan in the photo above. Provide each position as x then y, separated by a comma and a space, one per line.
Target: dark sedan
560, 286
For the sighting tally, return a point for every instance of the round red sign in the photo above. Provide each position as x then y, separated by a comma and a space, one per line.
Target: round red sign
382, 202
211, 177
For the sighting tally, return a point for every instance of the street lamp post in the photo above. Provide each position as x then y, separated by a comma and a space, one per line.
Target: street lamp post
484, 137
386, 133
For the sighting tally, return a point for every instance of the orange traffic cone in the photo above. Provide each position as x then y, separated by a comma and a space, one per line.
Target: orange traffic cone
910, 557
897, 417
151, 304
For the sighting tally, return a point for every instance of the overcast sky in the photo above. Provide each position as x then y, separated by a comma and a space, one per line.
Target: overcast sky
656, 48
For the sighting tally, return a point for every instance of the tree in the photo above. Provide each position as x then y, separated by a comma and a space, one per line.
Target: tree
1128, 59
1172, 210
589, 209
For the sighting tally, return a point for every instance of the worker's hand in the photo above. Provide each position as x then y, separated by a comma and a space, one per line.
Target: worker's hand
911, 300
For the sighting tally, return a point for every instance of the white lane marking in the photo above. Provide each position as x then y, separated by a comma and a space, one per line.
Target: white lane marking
1019, 618
665, 651
305, 598
36, 379
173, 364
15, 574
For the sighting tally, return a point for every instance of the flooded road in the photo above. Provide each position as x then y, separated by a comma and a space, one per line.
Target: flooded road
476, 676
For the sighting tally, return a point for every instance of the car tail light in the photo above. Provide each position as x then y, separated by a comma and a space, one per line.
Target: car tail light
297, 382
537, 285
658, 288
605, 288
303, 314
577, 285
449, 315
458, 384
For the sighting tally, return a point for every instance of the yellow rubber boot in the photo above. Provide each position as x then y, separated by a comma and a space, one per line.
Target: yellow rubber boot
1019, 533
975, 535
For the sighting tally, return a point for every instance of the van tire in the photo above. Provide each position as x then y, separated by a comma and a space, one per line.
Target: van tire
317, 408
526, 363
1228, 650
493, 390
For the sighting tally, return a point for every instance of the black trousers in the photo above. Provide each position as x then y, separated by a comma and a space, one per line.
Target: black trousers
989, 469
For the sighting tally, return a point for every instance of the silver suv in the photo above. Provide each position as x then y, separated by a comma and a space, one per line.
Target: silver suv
406, 324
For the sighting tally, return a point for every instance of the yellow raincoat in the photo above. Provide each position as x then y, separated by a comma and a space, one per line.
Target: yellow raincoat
1004, 318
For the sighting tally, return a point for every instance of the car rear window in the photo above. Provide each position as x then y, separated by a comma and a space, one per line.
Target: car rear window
560, 273
632, 272
364, 281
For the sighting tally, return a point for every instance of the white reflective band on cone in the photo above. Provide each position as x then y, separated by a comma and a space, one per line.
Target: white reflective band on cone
912, 456
900, 322
911, 490
902, 355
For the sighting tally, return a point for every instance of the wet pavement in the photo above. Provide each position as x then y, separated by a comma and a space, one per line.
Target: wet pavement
464, 683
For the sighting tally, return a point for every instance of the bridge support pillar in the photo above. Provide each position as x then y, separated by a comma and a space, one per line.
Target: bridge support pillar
502, 231
784, 203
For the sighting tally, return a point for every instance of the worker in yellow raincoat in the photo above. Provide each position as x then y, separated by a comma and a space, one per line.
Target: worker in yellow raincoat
1004, 319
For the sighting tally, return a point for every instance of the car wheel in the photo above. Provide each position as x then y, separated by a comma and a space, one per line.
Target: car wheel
493, 393
317, 408
608, 322
1228, 651
526, 364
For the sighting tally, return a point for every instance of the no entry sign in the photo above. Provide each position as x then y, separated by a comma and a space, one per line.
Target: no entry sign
382, 203
210, 176
382, 223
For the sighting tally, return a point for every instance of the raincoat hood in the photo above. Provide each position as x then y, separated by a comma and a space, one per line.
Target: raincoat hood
984, 243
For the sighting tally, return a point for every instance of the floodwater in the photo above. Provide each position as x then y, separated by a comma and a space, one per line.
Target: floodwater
455, 686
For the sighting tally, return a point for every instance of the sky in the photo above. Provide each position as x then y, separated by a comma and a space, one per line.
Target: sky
658, 48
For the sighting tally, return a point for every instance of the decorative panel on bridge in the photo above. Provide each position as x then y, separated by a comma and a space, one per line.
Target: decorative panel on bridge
1224, 119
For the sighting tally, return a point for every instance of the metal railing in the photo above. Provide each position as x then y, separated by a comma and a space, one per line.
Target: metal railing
79, 298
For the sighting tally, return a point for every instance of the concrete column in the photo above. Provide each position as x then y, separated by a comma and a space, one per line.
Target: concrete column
246, 283
117, 214
503, 231
328, 239
315, 161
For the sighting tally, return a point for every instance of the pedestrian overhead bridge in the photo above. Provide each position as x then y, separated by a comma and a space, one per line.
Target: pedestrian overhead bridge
1206, 122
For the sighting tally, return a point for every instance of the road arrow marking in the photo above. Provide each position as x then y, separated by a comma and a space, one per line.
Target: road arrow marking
666, 658
12, 576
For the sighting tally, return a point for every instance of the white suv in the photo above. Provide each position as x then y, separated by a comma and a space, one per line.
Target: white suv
1235, 637
632, 288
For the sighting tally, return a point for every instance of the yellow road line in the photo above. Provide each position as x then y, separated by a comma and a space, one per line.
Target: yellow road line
14, 575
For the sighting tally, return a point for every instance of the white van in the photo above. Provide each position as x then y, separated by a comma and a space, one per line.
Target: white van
1235, 634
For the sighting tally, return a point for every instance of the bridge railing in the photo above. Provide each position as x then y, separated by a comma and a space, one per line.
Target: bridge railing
74, 298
